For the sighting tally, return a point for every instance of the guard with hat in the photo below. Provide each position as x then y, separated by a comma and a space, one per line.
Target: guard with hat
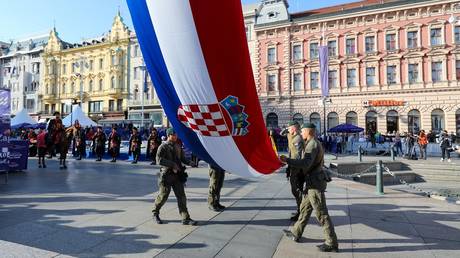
114, 144
135, 142
99, 140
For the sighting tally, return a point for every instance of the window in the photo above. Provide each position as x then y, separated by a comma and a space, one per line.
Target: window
272, 120
101, 84
297, 52
392, 121
314, 50
114, 59
112, 83
136, 50
72, 87
436, 37
298, 118
370, 76
47, 108
371, 122
350, 46
111, 105
297, 82
390, 40
91, 84
332, 77
391, 74
457, 69
64, 69
457, 34
271, 82
63, 88
95, 106
135, 72
315, 119
119, 105
332, 48
314, 78
332, 120
73, 67
101, 63
413, 73
370, 44
351, 78
91, 65
351, 118
412, 39
437, 120
271, 56
436, 71
413, 121
457, 123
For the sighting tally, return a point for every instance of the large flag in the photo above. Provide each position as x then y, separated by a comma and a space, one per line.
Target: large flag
324, 70
197, 56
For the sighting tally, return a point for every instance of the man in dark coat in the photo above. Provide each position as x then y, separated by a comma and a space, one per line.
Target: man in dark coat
114, 144
53, 130
79, 140
135, 142
99, 140
153, 143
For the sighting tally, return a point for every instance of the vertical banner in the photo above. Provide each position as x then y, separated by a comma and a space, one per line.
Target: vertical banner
5, 128
324, 70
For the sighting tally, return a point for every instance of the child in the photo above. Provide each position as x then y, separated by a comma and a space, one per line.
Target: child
41, 145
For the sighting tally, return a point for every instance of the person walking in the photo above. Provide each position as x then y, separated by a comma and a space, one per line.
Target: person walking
216, 181
99, 140
445, 144
294, 175
114, 144
135, 142
153, 143
398, 144
170, 157
53, 129
79, 140
41, 147
311, 163
423, 143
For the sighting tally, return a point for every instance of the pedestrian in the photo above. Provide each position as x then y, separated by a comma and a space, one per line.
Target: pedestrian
114, 144
311, 163
398, 144
216, 181
445, 145
32, 138
153, 143
52, 136
99, 140
135, 143
41, 147
294, 175
170, 157
423, 143
79, 139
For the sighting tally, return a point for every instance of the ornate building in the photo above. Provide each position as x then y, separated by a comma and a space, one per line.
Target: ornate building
94, 73
393, 65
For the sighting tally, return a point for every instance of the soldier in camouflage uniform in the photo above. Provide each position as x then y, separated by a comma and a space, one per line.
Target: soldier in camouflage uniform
216, 181
311, 163
170, 157
294, 174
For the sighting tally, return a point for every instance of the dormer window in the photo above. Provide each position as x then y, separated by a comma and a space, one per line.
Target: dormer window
272, 15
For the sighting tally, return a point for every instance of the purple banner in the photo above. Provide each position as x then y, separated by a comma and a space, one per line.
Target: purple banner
4, 161
18, 154
324, 70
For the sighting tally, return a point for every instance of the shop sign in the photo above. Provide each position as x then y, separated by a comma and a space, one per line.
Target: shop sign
383, 103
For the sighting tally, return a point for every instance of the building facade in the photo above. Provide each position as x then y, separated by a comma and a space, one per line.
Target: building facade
20, 72
93, 73
393, 65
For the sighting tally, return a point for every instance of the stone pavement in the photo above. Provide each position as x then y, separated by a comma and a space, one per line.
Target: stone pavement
103, 210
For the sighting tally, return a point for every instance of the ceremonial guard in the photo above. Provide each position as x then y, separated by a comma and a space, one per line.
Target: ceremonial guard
114, 144
311, 163
295, 175
135, 142
79, 140
153, 143
170, 157
216, 181
54, 126
99, 140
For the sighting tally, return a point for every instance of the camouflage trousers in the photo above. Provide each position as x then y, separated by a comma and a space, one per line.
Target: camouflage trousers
163, 194
297, 180
216, 181
316, 200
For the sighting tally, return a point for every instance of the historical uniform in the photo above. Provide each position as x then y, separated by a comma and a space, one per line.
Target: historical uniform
135, 142
55, 128
153, 143
170, 157
79, 142
99, 140
216, 181
311, 162
295, 175
114, 144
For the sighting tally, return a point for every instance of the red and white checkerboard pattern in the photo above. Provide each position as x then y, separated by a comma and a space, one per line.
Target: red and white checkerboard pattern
206, 120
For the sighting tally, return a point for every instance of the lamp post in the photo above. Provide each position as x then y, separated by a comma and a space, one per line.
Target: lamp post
144, 86
81, 63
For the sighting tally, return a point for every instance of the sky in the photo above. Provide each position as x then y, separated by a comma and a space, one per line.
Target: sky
79, 19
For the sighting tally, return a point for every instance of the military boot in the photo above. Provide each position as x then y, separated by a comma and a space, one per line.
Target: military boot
156, 216
328, 248
189, 221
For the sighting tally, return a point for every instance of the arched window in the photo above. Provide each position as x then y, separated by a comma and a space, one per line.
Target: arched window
392, 121
298, 118
91, 84
332, 120
315, 119
351, 118
457, 122
413, 121
437, 120
112, 82
101, 84
272, 120
371, 122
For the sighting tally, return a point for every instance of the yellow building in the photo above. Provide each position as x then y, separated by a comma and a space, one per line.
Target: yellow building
94, 72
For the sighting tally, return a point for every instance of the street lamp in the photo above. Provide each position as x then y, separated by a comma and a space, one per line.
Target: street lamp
81, 63
144, 69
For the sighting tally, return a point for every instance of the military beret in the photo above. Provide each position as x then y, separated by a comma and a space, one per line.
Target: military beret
293, 123
309, 125
170, 131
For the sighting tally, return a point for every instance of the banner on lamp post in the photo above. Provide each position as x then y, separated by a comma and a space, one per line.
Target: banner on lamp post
324, 70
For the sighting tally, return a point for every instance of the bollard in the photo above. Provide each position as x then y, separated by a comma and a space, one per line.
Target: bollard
360, 153
392, 152
379, 178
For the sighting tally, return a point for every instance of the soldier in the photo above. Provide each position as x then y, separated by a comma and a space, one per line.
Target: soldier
79, 140
52, 133
153, 143
216, 181
99, 143
114, 144
311, 163
295, 176
170, 157
135, 142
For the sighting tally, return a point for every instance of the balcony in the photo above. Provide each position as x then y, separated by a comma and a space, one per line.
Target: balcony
49, 97
117, 93
146, 102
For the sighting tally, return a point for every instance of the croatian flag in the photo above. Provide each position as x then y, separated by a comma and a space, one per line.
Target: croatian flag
197, 56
